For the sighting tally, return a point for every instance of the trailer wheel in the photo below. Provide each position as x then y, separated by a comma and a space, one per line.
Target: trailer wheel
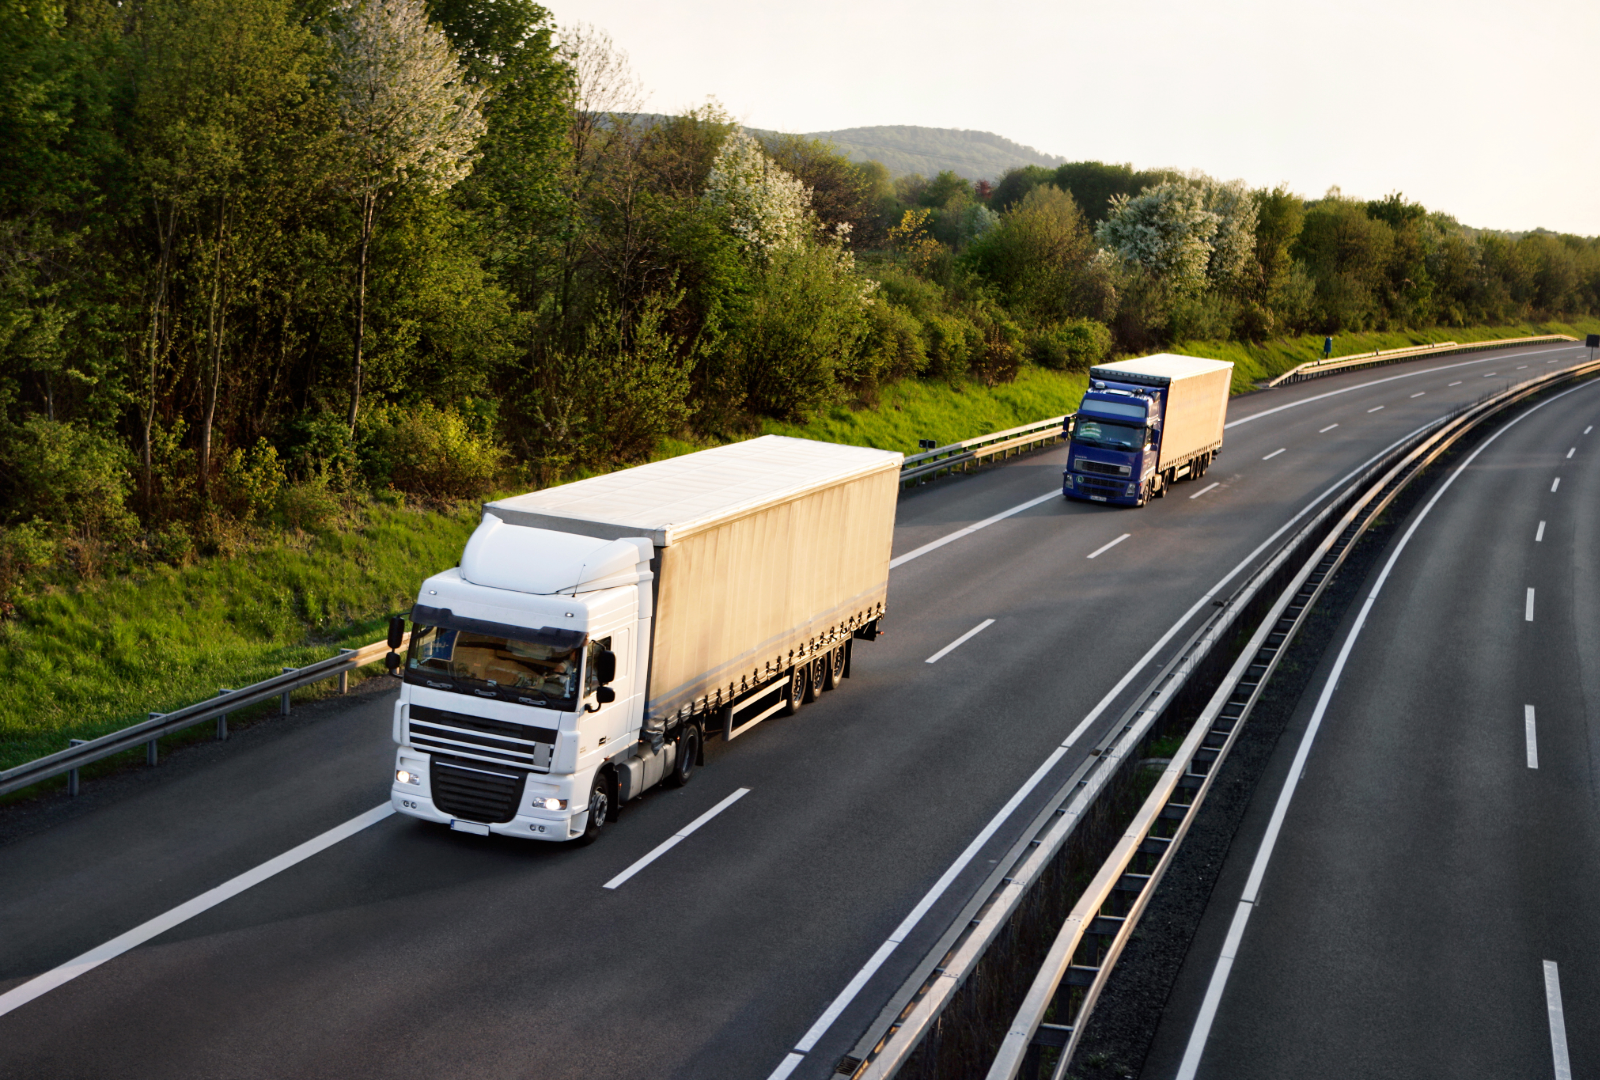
599, 808
795, 693
835, 669
688, 753
816, 677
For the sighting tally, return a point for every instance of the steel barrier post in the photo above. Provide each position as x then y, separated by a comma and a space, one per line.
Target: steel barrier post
72, 777
222, 721
283, 703
151, 753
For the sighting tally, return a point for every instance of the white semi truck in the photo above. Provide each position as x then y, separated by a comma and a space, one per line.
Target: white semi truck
595, 634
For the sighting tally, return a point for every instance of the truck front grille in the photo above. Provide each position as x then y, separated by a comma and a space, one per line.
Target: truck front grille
473, 792
501, 742
1104, 469
1092, 485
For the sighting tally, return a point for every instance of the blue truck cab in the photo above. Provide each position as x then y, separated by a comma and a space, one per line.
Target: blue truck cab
1143, 425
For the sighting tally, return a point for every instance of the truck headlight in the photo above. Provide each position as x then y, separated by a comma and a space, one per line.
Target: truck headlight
1067, 479
1133, 489
549, 804
406, 776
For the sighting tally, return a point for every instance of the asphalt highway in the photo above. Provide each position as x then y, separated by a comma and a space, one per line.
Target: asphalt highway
1426, 905
762, 944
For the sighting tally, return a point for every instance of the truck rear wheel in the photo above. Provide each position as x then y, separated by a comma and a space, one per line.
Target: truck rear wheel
816, 677
835, 669
795, 692
688, 753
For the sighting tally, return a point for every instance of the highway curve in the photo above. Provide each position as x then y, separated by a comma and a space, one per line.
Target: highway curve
1428, 906
762, 944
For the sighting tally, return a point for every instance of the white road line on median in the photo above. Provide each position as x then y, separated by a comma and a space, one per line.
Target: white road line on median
1574, 450
970, 529
1201, 1032
1538, 536
1555, 483
1327, 429
1558, 1021
676, 838
43, 984
1458, 381
1103, 548
1269, 457
1527, 612
1208, 487
1419, 393
847, 995
1375, 382
1531, 735
1376, 408
958, 642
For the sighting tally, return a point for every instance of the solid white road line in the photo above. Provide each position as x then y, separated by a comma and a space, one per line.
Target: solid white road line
676, 838
1374, 382
1419, 393
1538, 536
1555, 483
1376, 408
1269, 457
958, 642
43, 984
1558, 1021
970, 529
1103, 548
1458, 381
1527, 613
842, 1001
1208, 487
1252, 889
1532, 736
1574, 450
1327, 429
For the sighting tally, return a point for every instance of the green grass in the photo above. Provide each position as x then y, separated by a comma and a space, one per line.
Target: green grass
93, 658
1256, 362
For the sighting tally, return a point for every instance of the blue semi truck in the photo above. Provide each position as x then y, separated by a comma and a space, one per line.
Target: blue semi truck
1143, 425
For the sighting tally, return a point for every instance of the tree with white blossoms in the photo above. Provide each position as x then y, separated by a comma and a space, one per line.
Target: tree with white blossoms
767, 208
1233, 245
405, 113
1166, 229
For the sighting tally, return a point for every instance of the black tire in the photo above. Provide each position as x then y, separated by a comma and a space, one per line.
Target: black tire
688, 753
816, 677
599, 808
795, 692
835, 669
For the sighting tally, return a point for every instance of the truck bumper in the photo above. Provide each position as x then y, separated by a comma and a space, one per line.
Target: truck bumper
416, 800
1071, 489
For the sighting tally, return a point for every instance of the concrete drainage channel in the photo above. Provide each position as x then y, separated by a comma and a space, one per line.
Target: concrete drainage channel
1009, 988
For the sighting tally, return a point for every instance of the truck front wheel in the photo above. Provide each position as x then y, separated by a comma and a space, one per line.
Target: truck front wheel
599, 808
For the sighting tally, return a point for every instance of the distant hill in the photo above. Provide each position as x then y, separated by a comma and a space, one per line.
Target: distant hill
903, 149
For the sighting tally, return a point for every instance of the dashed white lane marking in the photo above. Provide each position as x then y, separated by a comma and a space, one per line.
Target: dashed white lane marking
1555, 483
1201, 1032
1456, 383
43, 984
1327, 429
1103, 548
1558, 1021
958, 642
1375, 408
1208, 487
1538, 536
1588, 429
1419, 393
676, 838
1521, 366
1490, 374
1275, 453
1532, 736
1574, 450
1527, 612
970, 529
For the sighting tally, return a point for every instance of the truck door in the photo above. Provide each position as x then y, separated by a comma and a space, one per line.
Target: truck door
608, 723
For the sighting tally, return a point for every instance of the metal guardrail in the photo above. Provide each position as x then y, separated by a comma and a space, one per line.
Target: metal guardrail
1313, 369
1069, 982
970, 451
147, 733
915, 1011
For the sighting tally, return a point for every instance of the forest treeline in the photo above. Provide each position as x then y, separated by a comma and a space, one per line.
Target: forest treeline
260, 256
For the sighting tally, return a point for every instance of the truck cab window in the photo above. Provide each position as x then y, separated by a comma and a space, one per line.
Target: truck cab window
591, 682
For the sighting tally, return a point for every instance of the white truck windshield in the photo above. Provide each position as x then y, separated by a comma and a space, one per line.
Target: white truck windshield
486, 666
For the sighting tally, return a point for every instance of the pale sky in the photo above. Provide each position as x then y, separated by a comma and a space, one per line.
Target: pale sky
1489, 111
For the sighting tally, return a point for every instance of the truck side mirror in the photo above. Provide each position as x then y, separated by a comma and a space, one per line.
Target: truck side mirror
605, 695
392, 662
605, 668
397, 630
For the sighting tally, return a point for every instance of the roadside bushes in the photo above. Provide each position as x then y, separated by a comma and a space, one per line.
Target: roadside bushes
427, 451
1073, 345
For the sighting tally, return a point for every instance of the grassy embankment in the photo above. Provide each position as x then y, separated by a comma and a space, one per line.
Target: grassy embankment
83, 661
